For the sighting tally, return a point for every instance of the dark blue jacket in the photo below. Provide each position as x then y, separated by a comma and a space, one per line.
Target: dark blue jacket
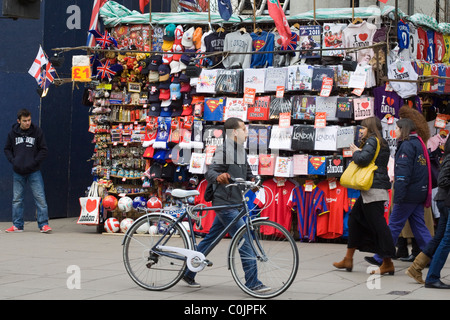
411, 172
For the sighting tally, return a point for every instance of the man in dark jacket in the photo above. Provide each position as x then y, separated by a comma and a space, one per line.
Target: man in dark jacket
230, 161
26, 148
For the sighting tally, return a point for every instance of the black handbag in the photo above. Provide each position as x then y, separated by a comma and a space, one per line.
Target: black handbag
209, 192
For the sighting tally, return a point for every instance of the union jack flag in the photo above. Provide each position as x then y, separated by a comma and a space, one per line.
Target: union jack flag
189, 6
104, 40
48, 76
106, 70
94, 21
292, 45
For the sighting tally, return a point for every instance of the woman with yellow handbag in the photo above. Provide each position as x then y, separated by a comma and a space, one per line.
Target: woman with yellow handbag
368, 230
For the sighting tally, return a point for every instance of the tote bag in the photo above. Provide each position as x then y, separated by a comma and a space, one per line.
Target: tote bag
360, 178
90, 207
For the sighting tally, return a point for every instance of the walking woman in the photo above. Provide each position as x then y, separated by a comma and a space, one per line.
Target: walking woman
433, 279
424, 257
368, 230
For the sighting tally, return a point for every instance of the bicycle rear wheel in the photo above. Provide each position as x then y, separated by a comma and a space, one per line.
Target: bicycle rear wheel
146, 267
272, 268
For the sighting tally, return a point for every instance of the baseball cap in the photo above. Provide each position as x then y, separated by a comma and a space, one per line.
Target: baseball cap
175, 67
153, 76
177, 108
175, 93
185, 87
153, 94
169, 32
197, 38
164, 72
154, 109
178, 34
187, 40
166, 111
164, 85
155, 62
164, 94
167, 45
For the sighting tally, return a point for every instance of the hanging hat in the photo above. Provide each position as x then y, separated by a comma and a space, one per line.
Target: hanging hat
187, 40
155, 62
169, 32
197, 38
178, 34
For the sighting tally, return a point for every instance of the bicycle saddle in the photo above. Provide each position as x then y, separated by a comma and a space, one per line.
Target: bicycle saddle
180, 193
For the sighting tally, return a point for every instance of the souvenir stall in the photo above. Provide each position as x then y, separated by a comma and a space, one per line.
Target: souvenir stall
161, 92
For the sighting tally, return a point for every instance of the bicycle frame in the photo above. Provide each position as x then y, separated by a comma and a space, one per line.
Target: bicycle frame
182, 256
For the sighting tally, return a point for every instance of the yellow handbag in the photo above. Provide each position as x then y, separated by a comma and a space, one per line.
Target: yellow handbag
360, 178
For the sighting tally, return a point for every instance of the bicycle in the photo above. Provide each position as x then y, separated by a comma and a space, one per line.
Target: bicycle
156, 260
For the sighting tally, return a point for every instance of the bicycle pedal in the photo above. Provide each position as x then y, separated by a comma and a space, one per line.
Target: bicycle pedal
208, 263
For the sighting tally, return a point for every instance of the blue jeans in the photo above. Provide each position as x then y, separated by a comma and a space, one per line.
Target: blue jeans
37, 188
222, 220
440, 255
414, 213
440, 230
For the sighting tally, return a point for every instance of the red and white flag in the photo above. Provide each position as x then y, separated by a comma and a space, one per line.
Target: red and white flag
36, 68
93, 25
142, 4
277, 14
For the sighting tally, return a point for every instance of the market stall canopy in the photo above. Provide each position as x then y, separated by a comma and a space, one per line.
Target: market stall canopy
114, 14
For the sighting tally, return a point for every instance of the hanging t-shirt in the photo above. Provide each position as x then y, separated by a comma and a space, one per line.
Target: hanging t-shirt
235, 108
363, 107
214, 43
422, 44
345, 137
413, 38
308, 204
303, 137
402, 70
331, 224
446, 57
299, 77
229, 81
442, 72
263, 41
403, 34
335, 166
318, 74
275, 77
439, 46
431, 49
388, 134
300, 162
237, 42
357, 36
213, 135
260, 109
213, 109
303, 107
327, 105
275, 208
255, 78
317, 165
386, 102
344, 108
326, 138
280, 138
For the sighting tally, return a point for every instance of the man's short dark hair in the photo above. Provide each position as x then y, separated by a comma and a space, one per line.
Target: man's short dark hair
232, 123
23, 113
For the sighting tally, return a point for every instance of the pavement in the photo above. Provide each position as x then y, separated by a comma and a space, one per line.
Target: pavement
74, 262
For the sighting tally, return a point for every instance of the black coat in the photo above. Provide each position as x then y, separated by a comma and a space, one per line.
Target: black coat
444, 178
364, 157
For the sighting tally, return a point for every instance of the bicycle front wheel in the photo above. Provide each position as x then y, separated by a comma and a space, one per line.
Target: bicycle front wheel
267, 266
148, 268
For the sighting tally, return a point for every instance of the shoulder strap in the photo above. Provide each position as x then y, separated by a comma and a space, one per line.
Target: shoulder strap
378, 150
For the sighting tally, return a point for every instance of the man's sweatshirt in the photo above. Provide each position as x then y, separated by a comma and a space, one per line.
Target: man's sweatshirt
237, 42
25, 149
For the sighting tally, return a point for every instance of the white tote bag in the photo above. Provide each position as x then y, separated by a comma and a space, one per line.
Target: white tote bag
90, 207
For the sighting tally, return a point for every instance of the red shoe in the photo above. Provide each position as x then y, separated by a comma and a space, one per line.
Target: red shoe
13, 229
46, 229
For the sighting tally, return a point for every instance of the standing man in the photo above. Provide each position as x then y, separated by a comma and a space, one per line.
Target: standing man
26, 149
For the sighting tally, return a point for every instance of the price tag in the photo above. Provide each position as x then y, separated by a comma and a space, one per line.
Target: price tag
347, 153
332, 183
285, 120
440, 122
309, 185
81, 74
320, 120
280, 92
249, 96
327, 86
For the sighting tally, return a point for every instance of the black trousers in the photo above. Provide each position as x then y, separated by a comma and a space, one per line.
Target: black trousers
368, 230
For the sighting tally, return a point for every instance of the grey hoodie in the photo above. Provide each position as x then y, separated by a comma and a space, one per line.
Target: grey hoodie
237, 42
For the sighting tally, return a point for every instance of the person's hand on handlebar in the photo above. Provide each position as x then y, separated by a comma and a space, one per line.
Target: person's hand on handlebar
223, 178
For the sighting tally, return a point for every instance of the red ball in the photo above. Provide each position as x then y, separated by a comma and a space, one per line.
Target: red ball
110, 202
154, 203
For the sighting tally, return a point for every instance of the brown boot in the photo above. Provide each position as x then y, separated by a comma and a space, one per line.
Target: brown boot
347, 264
386, 267
415, 270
